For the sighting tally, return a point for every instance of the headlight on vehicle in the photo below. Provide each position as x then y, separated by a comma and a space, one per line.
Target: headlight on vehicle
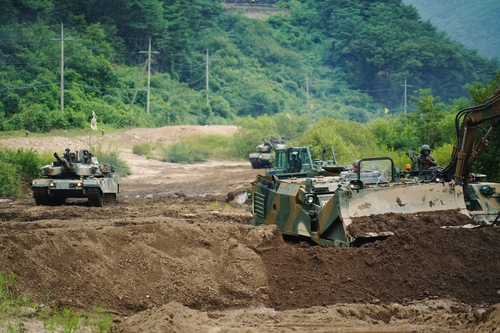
52, 184
310, 199
78, 184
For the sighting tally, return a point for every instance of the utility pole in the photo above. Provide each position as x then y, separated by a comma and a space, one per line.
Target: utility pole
149, 73
139, 83
62, 64
206, 70
406, 85
307, 97
206, 84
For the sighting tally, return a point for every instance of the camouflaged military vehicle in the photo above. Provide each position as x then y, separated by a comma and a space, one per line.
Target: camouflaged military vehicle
76, 175
263, 155
332, 210
298, 162
325, 208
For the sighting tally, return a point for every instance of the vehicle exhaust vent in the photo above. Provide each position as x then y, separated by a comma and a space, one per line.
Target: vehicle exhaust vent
260, 205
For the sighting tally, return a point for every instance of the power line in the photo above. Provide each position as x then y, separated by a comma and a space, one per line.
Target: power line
149, 72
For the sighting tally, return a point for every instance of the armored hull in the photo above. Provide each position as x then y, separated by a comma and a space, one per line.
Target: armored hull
76, 178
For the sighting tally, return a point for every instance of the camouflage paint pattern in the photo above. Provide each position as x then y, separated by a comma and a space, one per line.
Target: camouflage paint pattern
60, 180
483, 202
334, 203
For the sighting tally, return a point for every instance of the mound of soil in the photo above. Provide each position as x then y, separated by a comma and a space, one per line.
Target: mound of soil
177, 253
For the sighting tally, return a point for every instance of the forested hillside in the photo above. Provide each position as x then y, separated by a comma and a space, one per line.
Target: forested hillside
348, 59
472, 23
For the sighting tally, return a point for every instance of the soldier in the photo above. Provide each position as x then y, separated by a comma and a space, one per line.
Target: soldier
87, 157
425, 159
69, 156
355, 166
296, 162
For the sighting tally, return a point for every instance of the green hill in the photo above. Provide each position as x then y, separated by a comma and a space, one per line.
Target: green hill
472, 23
341, 59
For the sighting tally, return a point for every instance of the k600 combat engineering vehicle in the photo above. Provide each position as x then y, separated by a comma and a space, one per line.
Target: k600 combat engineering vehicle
76, 176
326, 209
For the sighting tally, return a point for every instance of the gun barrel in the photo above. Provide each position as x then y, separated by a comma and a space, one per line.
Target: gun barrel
63, 162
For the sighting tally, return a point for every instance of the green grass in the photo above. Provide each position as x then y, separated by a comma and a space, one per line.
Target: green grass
199, 148
14, 308
142, 149
110, 155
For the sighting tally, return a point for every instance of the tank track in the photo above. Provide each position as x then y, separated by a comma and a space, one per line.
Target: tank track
40, 196
96, 197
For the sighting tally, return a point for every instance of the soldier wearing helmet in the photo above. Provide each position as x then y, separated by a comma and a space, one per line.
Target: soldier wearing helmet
69, 156
87, 157
66, 154
425, 159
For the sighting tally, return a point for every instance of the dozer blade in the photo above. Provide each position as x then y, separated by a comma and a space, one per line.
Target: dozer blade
405, 199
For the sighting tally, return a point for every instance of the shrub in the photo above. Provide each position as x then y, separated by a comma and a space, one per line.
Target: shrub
111, 156
142, 149
184, 152
10, 181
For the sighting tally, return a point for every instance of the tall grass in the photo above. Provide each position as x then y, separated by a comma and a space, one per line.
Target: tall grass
198, 148
143, 148
110, 155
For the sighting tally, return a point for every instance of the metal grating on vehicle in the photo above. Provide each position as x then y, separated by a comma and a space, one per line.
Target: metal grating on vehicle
259, 205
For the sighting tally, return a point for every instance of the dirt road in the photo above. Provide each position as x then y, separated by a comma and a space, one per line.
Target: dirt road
173, 256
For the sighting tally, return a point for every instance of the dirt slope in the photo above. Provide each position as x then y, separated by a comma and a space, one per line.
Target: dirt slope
173, 256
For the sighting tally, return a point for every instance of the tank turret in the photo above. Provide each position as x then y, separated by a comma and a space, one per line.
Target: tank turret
76, 175
262, 157
63, 162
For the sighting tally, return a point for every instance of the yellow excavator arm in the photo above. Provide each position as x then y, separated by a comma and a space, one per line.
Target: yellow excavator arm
481, 118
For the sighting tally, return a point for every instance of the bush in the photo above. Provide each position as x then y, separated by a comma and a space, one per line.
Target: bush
142, 149
10, 183
110, 155
184, 152
17, 168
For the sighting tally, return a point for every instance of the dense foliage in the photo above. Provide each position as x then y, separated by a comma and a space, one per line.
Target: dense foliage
321, 73
472, 23
17, 169
347, 58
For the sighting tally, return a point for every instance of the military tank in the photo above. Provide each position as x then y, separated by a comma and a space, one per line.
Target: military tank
263, 155
76, 175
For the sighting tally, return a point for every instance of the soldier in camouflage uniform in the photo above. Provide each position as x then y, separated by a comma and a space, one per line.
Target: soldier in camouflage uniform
425, 159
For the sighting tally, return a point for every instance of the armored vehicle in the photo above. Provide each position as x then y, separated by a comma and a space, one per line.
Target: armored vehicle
325, 208
333, 210
76, 175
263, 155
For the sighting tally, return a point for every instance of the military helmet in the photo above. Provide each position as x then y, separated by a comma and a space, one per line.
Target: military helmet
426, 147
67, 149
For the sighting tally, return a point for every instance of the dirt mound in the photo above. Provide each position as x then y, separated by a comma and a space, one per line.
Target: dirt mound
174, 317
177, 253
422, 261
146, 253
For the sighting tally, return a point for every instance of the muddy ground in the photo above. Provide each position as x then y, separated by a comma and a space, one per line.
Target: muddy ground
174, 256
